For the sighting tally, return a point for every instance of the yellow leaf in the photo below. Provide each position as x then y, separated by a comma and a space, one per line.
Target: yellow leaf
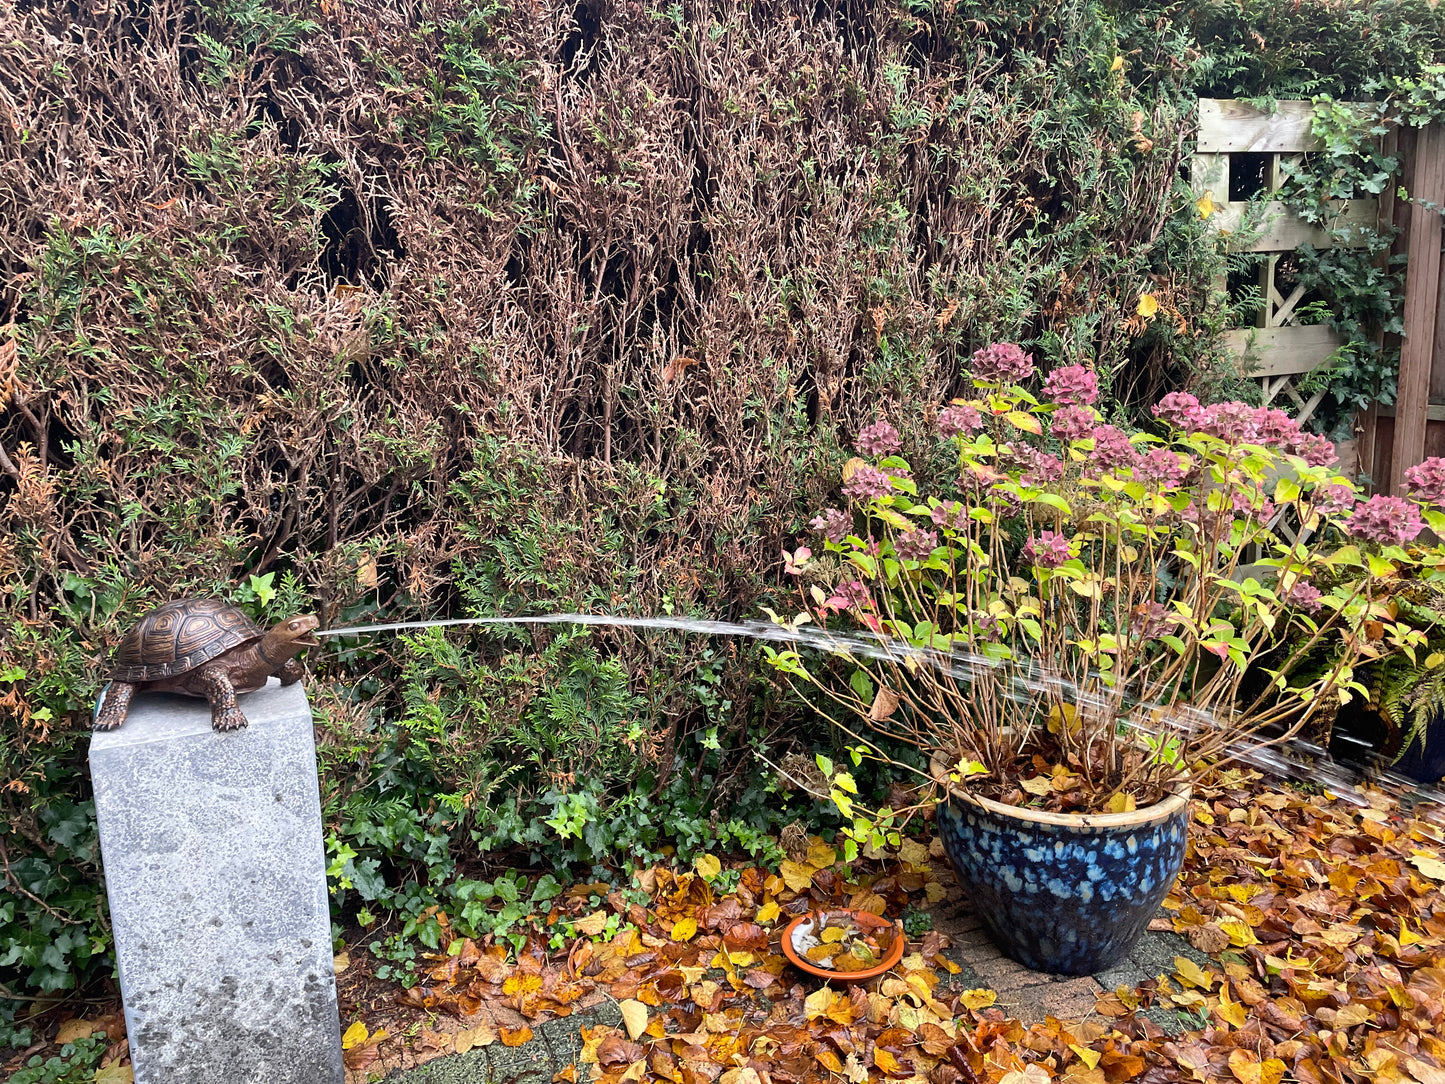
796, 875
829, 1060
1238, 932
913, 852
1148, 305
593, 924
935, 891
634, 1015
1038, 785
1117, 66
1206, 205
769, 911
1232, 1012
340, 962
1245, 1067
1192, 973
522, 985
832, 934
820, 855
977, 999
885, 1060
355, 1035
1089, 1057
471, 1038
707, 866
1430, 867
1022, 419
114, 1074
1353, 1014
1121, 803
683, 929
817, 1003
517, 1036
1271, 1071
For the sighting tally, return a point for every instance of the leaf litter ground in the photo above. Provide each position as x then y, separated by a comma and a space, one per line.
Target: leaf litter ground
1323, 921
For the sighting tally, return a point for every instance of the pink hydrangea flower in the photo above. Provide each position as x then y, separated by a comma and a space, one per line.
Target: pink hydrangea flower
850, 596
1031, 466
1427, 481
1073, 385
1072, 423
1002, 363
1305, 595
1151, 620
832, 524
867, 482
1160, 467
1006, 504
1048, 549
959, 419
1112, 449
1275, 427
916, 545
1332, 500
1386, 520
1178, 408
952, 515
984, 625
1315, 450
879, 439
1234, 422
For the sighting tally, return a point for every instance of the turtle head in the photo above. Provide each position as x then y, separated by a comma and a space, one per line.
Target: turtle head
291, 636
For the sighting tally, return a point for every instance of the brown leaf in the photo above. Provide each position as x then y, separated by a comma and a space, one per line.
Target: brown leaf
942, 319
71, 1030
1208, 938
885, 703
746, 936
676, 367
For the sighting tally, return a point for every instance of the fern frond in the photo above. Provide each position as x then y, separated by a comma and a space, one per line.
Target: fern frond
1426, 705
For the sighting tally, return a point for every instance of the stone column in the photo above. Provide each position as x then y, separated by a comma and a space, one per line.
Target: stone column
215, 872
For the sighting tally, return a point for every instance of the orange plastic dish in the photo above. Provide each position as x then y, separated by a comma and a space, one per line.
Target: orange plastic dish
865, 919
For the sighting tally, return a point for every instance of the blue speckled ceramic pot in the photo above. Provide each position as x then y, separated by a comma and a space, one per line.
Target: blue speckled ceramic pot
1064, 892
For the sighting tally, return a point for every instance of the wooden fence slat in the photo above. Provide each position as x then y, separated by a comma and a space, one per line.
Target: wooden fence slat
1282, 351
1227, 125
1279, 230
1422, 298
1434, 412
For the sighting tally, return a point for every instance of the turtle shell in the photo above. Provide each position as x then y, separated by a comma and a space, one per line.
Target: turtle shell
179, 636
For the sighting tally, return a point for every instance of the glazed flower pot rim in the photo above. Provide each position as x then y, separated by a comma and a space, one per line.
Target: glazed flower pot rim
1165, 807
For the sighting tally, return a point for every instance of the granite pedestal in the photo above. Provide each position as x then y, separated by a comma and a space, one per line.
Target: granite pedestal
215, 872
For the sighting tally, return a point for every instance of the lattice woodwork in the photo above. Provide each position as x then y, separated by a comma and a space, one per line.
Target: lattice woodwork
1279, 352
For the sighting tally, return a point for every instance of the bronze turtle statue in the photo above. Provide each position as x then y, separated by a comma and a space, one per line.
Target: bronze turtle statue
207, 648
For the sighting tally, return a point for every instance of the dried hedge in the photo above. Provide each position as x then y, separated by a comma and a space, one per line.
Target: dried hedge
445, 306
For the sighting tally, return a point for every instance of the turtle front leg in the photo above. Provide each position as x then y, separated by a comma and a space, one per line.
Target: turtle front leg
225, 713
291, 671
117, 703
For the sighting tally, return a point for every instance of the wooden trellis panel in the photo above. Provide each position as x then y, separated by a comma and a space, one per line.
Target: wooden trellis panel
1278, 351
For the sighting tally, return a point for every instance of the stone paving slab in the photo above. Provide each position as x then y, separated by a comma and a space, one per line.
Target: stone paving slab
1028, 995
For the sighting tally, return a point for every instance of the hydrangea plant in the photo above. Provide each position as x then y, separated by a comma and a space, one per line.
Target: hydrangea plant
1081, 617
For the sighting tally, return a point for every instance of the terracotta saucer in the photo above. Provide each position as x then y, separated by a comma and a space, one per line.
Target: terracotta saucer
865, 919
